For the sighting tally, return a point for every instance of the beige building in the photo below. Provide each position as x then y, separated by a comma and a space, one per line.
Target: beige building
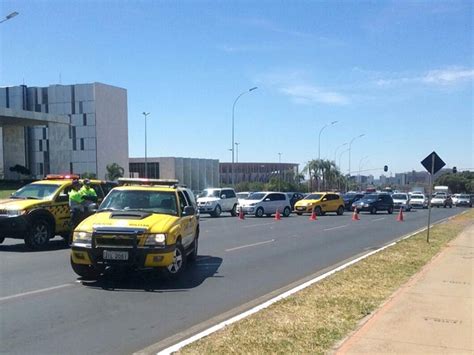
197, 174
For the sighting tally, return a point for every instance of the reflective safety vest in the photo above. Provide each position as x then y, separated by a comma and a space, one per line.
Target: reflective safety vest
75, 200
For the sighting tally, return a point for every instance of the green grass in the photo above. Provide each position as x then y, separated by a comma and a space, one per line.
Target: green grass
6, 193
315, 319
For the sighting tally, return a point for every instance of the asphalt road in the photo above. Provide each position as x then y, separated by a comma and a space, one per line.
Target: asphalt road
45, 309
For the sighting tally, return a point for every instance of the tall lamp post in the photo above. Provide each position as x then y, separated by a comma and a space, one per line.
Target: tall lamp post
233, 115
237, 152
350, 148
279, 171
340, 156
9, 16
145, 114
361, 161
319, 145
335, 153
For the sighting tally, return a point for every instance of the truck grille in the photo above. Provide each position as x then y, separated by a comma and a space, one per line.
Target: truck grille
116, 241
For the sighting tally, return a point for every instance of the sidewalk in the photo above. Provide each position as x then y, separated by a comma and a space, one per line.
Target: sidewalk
432, 314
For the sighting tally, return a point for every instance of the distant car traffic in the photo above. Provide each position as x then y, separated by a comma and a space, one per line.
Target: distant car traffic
441, 199
401, 200
374, 203
321, 202
265, 203
351, 197
242, 196
215, 201
462, 200
418, 200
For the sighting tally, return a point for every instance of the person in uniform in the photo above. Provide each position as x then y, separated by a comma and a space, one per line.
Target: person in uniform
76, 204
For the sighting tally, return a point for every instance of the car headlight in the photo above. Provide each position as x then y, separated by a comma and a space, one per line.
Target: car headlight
156, 240
15, 213
366, 205
82, 239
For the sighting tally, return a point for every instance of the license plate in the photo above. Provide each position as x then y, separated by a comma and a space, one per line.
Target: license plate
115, 255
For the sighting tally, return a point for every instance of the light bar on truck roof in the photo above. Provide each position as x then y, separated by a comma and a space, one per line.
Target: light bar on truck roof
61, 177
149, 182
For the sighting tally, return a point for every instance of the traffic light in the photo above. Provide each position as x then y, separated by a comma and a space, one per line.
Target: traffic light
455, 170
385, 168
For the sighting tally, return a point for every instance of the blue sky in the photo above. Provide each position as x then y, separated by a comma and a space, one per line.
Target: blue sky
399, 72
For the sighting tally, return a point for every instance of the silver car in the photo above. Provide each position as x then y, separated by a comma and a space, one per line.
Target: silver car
265, 203
401, 200
418, 200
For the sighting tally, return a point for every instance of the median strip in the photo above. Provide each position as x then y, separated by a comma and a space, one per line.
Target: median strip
316, 318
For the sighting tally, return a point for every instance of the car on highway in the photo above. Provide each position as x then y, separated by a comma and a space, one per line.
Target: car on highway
214, 201
462, 200
320, 202
441, 199
266, 203
242, 195
294, 197
143, 224
401, 200
374, 203
418, 200
351, 197
39, 211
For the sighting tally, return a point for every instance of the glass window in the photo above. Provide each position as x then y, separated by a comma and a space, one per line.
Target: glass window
36, 191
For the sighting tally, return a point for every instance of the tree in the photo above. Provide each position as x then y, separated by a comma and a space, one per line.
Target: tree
457, 183
20, 169
114, 171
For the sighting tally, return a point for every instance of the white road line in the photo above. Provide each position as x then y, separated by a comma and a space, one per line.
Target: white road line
251, 245
378, 219
18, 295
330, 229
286, 294
258, 225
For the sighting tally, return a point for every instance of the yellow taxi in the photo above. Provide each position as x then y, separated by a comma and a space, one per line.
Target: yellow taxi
142, 224
321, 202
39, 211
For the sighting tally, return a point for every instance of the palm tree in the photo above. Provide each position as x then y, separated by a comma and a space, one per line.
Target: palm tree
114, 171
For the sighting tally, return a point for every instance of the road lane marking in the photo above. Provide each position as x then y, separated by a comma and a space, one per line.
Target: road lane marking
257, 225
330, 229
18, 295
378, 219
251, 245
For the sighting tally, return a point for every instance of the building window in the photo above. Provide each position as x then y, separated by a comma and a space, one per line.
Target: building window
40, 145
82, 143
44, 132
84, 119
74, 146
71, 168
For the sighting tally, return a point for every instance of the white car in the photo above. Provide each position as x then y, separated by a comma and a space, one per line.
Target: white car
418, 200
401, 200
462, 200
441, 199
266, 203
215, 201
242, 196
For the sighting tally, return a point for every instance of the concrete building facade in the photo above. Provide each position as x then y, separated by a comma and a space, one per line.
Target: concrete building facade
257, 172
197, 174
96, 133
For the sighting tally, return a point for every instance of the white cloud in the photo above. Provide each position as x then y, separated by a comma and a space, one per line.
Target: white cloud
448, 76
307, 94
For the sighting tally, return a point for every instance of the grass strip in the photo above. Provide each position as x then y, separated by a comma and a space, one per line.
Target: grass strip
6, 193
315, 319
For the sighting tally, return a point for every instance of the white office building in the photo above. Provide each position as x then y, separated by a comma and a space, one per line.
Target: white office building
77, 129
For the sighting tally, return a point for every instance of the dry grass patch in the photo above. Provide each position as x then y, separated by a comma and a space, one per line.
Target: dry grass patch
315, 319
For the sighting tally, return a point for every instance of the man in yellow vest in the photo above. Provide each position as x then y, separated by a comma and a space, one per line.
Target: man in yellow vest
76, 204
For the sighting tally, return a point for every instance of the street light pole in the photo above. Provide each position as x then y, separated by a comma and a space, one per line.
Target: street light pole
9, 16
335, 153
350, 148
319, 145
360, 168
237, 152
279, 171
145, 114
233, 119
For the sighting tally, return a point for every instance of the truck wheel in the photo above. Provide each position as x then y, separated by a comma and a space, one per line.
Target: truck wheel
233, 212
340, 210
259, 212
2, 239
217, 211
373, 210
39, 234
318, 211
176, 268
286, 212
87, 272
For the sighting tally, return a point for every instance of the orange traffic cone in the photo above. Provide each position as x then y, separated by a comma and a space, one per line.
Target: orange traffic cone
355, 215
241, 214
277, 215
313, 216
400, 215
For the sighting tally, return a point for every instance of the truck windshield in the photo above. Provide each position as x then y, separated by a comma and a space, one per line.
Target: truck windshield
211, 193
36, 191
143, 200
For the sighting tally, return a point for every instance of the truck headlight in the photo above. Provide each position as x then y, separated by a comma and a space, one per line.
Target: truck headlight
82, 239
156, 240
15, 213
